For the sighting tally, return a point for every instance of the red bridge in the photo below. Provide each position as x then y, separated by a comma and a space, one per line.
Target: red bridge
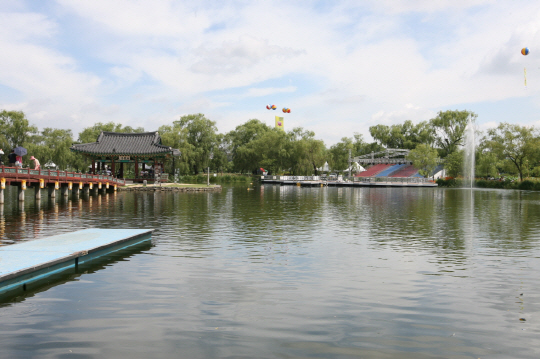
53, 180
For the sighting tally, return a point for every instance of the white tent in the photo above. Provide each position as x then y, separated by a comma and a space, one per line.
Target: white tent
324, 168
355, 167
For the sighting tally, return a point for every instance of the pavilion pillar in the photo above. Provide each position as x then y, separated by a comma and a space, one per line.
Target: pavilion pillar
93, 166
136, 167
121, 170
113, 167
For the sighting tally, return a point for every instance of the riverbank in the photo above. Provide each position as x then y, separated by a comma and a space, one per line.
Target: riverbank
171, 187
528, 185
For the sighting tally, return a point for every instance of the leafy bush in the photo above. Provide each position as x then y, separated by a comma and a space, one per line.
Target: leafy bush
507, 183
227, 178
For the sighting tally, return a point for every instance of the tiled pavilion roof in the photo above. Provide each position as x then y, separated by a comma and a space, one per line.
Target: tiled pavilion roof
125, 144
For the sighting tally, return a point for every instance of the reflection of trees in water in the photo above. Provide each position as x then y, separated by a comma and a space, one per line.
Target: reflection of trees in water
508, 219
273, 212
272, 222
417, 219
267, 219
446, 222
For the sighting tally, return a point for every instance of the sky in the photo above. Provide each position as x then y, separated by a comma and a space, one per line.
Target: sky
340, 66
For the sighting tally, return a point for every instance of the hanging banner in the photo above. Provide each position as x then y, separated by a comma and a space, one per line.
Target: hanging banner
279, 123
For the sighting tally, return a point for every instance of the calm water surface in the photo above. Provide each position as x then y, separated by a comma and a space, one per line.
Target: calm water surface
287, 272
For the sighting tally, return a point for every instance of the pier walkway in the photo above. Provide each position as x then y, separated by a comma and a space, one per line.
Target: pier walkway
33, 261
53, 180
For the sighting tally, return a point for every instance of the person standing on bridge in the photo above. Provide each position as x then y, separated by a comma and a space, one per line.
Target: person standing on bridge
12, 158
18, 161
37, 166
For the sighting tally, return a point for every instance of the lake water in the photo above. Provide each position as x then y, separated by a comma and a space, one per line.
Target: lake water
287, 272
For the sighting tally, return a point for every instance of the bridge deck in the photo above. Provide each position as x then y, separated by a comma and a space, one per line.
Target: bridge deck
31, 261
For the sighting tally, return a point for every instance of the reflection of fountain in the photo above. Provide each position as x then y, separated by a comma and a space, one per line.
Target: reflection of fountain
469, 153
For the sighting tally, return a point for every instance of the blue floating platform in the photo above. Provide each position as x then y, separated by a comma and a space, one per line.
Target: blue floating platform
35, 260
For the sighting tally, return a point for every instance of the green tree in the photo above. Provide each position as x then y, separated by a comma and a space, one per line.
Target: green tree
514, 143
402, 136
361, 147
202, 136
220, 160
486, 165
306, 152
424, 158
175, 136
52, 145
90, 134
338, 154
449, 129
15, 130
270, 151
453, 164
235, 140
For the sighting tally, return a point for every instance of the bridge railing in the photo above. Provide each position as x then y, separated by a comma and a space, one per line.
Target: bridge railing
55, 174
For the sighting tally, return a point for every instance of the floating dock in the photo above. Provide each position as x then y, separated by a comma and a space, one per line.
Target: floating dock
32, 261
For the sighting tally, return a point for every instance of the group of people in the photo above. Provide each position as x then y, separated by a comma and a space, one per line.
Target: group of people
15, 160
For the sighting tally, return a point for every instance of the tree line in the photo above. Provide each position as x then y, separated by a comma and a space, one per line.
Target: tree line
507, 148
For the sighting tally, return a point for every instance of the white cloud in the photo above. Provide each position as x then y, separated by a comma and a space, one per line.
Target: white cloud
142, 63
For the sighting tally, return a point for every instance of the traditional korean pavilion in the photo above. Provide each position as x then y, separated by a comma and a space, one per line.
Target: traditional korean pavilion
116, 148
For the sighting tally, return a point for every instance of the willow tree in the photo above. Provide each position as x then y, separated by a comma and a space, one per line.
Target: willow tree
201, 134
306, 152
241, 136
52, 145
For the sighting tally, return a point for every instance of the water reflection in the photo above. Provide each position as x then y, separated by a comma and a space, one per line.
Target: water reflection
293, 272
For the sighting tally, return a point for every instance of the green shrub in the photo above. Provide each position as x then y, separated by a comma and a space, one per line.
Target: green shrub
226, 178
449, 182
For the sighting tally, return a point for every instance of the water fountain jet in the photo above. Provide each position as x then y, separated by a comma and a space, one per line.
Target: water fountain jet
469, 154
